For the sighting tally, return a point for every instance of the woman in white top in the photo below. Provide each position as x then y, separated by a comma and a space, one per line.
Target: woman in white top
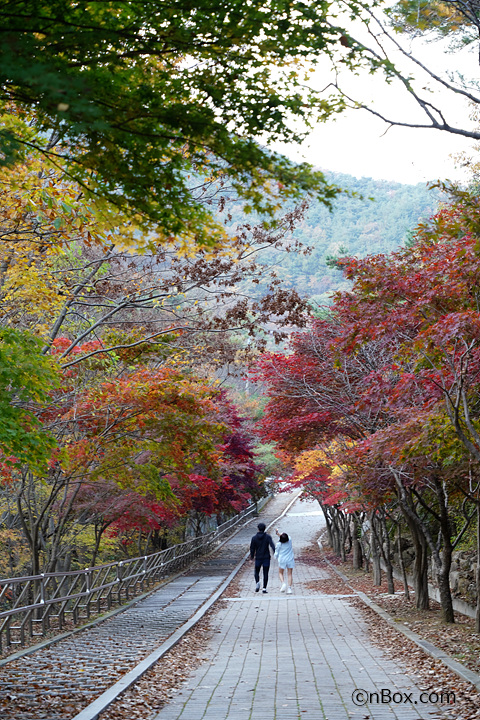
286, 561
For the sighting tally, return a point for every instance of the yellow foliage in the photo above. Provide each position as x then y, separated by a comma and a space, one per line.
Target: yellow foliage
40, 216
320, 458
45, 224
14, 553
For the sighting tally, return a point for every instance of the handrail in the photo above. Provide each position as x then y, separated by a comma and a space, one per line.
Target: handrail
27, 603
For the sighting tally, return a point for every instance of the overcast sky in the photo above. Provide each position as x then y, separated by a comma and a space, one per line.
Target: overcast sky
359, 144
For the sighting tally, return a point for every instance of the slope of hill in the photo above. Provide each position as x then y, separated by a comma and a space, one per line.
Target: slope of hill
355, 227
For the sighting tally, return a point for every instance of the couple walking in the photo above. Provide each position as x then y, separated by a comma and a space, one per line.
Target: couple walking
260, 550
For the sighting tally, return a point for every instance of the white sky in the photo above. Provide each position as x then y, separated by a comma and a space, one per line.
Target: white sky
360, 144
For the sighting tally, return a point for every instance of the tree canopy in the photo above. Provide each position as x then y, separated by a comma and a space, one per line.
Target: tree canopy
457, 19
143, 103
111, 344
26, 377
431, 90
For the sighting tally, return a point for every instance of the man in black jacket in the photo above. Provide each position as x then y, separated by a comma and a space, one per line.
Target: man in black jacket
260, 550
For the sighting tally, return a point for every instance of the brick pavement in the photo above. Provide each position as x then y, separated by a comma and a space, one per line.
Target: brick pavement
287, 657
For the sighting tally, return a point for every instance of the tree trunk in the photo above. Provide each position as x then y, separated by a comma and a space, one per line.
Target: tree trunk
348, 534
356, 545
99, 530
386, 553
443, 559
444, 567
420, 565
336, 537
342, 523
377, 568
406, 589
335, 532
446, 595
328, 525
420, 568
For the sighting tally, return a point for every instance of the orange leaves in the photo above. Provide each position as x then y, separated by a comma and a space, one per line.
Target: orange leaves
312, 463
41, 205
142, 427
158, 433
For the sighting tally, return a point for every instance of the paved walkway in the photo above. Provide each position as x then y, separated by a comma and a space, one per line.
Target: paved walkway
287, 657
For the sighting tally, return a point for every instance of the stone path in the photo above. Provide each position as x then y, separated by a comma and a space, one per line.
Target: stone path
54, 683
287, 657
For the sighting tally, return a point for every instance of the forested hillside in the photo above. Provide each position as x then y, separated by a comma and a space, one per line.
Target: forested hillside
378, 219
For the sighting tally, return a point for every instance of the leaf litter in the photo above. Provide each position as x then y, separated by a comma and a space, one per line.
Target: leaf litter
459, 640
164, 680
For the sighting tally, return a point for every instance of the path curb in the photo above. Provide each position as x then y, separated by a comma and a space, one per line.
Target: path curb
430, 649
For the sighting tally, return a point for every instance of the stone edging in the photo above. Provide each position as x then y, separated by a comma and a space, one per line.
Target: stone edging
458, 605
459, 669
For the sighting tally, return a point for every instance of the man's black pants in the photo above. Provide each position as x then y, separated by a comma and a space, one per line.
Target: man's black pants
266, 568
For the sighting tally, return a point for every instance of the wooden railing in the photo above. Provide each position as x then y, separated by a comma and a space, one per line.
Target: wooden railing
32, 606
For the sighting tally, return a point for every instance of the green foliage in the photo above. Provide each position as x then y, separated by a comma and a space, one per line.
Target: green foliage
266, 457
469, 539
133, 98
445, 18
26, 377
436, 439
355, 227
332, 261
